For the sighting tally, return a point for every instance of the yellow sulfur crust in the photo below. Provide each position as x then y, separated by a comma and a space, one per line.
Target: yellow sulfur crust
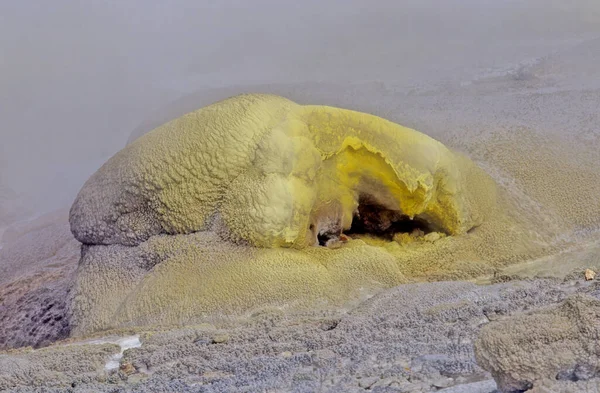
224, 206
265, 170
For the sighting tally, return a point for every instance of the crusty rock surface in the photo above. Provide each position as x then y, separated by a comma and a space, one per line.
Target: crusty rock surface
411, 338
557, 348
273, 173
222, 210
52, 367
37, 266
184, 279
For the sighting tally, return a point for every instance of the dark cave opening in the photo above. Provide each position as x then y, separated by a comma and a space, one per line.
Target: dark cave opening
373, 218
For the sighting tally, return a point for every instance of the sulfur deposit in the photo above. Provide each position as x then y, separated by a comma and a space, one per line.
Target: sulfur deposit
227, 208
271, 173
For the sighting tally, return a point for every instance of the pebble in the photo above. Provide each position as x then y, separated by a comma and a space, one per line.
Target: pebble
442, 382
220, 339
366, 383
589, 274
432, 237
127, 368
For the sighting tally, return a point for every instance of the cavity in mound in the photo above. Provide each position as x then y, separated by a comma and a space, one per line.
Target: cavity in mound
265, 171
226, 209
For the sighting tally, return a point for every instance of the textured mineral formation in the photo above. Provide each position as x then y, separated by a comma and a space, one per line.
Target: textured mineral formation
225, 209
263, 170
553, 350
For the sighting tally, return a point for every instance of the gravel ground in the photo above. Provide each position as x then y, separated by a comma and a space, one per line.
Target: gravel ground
412, 338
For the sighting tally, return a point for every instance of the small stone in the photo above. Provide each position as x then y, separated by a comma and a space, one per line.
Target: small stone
333, 243
286, 354
589, 274
127, 368
432, 237
329, 324
584, 372
366, 383
220, 339
201, 341
417, 233
404, 363
442, 382
566, 375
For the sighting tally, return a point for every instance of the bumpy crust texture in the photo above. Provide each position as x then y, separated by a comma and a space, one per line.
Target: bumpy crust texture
544, 350
217, 213
264, 171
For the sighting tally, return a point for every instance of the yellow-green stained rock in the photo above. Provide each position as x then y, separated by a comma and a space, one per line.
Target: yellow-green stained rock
264, 171
226, 207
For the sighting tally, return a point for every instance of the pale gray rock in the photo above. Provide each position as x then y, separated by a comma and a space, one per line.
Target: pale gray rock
414, 337
557, 344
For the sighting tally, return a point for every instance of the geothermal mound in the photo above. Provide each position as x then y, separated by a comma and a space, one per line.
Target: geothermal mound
258, 201
271, 173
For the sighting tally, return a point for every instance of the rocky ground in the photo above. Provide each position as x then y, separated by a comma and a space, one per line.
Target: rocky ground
411, 338
532, 326
37, 264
